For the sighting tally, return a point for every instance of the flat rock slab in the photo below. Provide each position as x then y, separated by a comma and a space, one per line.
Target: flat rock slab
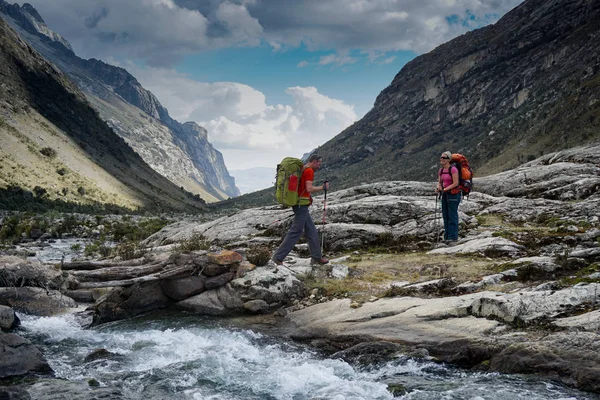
494, 246
400, 319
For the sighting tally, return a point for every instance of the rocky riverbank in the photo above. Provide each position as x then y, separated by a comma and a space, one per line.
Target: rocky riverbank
519, 293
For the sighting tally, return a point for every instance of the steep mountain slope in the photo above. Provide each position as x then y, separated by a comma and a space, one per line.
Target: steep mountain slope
181, 152
503, 94
55, 145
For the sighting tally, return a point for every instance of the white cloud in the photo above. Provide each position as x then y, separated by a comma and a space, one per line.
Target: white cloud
248, 131
160, 32
336, 60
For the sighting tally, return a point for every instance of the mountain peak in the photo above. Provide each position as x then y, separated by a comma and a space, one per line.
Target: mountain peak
33, 12
28, 18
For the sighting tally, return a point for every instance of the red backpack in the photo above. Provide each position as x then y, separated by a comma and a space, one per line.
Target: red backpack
465, 174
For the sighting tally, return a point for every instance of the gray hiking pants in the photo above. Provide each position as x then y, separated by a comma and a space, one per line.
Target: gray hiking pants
302, 223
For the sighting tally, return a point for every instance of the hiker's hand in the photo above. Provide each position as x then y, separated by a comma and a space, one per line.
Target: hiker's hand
438, 189
326, 185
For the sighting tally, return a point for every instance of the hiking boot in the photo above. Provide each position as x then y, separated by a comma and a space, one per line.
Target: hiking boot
451, 242
276, 261
319, 261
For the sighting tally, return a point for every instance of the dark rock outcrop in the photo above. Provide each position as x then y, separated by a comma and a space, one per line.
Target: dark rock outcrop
502, 95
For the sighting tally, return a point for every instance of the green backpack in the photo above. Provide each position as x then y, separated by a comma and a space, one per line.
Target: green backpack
289, 172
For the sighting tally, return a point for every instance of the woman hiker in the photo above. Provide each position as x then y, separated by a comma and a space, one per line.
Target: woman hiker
448, 187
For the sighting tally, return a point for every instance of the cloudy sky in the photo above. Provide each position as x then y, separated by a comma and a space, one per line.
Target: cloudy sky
267, 78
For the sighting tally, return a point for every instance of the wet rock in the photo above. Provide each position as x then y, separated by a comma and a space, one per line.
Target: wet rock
182, 288
102, 354
19, 357
370, 353
126, 302
8, 318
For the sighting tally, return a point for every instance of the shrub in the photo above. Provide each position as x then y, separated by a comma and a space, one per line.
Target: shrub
258, 255
196, 242
130, 249
61, 171
49, 152
99, 246
39, 192
81, 190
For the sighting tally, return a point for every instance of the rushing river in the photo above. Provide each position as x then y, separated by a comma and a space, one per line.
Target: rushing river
167, 356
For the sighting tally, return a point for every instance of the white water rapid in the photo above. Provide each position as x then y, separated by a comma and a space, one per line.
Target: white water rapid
188, 357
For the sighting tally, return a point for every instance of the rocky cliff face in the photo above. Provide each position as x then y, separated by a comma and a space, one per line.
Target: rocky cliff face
502, 95
164, 143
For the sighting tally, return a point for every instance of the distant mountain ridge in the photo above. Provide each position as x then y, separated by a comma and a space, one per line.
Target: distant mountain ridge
181, 152
57, 150
502, 95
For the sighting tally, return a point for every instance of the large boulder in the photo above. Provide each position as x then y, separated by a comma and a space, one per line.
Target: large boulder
259, 290
182, 288
126, 302
36, 301
19, 357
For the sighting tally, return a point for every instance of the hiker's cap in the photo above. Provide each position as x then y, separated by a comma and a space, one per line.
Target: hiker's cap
314, 157
447, 155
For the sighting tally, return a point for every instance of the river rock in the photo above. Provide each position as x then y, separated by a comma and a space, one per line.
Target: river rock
126, 302
219, 302
8, 318
36, 301
182, 288
19, 357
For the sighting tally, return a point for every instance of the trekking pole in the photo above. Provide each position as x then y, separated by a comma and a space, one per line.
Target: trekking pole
439, 216
323, 221
435, 219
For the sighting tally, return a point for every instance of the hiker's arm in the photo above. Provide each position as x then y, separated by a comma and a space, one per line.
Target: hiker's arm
313, 189
454, 182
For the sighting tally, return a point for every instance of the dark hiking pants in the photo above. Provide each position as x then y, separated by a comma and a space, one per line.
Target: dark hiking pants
450, 204
302, 223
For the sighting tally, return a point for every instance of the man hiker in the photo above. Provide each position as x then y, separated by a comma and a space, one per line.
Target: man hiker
302, 220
